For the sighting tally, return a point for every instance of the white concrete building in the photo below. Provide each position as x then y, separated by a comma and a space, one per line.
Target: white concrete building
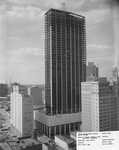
21, 112
99, 106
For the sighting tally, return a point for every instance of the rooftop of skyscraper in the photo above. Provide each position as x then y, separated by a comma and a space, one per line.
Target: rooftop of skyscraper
65, 11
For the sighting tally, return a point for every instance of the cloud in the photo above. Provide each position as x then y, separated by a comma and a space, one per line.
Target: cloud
75, 5
25, 65
96, 16
24, 26
2, 67
43, 3
100, 47
24, 34
47, 4
93, 1
25, 55
100, 53
25, 11
103, 56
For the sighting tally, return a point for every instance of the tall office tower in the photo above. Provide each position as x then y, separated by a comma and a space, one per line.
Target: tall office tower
65, 61
92, 69
65, 69
99, 106
21, 112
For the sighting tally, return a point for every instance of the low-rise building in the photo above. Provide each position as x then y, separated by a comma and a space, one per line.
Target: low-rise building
21, 144
48, 144
65, 143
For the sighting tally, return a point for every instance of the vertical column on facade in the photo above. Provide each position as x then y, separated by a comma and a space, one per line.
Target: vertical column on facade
69, 127
51, 70
84, 50
64, 77
38, 125
66, 64
64, 129
79, 72
71, 63
75, 62
46, 128
54, 130
73, 126
61, 75
49, 132
56, 72
60, 130
77, 67
78, 125
43, 128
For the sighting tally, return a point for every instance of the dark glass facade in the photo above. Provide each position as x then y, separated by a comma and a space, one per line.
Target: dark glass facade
65, 61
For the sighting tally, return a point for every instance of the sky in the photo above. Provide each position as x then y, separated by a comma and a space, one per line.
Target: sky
22, 37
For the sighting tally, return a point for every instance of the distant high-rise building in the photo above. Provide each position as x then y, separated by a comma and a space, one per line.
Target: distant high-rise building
65, 69
21, 112
43, 96
115, 73
36, 93
92, 69
99, 106
115, 81
3, 90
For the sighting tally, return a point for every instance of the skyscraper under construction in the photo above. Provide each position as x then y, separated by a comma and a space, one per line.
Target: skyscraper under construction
65, 69
65, 61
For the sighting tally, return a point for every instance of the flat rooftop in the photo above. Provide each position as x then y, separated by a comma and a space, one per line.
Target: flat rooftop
23, 143
44, 139
49, 143
63, 138
64, 11
70, 142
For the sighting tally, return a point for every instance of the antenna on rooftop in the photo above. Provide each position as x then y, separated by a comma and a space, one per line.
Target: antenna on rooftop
63, 6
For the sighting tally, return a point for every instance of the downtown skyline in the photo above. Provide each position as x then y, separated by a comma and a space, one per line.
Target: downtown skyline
22, 37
